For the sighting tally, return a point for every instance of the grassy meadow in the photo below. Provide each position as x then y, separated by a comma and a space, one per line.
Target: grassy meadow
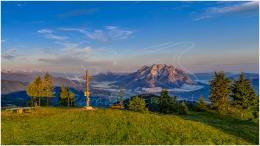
107, 126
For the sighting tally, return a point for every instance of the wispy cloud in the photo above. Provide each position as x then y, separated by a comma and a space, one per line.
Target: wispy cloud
72, 64
70, 49
62, 60
117, 33
45, 31
72, 29
50, 35
77, 53
93, 35
243, 7
97, 35
105, 34
9, 54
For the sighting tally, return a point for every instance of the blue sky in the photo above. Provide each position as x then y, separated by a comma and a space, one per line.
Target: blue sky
123, 36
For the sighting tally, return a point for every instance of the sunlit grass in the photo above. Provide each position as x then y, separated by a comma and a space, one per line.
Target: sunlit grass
106, 126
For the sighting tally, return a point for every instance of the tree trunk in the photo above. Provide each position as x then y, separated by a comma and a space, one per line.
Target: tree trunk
39, 101
68, 102
47, 101
32, 101
35, 104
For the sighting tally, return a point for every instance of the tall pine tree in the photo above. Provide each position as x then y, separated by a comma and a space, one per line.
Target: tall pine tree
167, 104
243, 94
219, 91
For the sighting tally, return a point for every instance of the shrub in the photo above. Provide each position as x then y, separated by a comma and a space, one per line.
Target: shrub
240, 113
255, 114
117, 105
201, 105
183, 109
137, 104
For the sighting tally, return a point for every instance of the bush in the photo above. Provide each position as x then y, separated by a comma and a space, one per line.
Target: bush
137, 104
255, 114
117, 105
183, 109
240, 113
201, 105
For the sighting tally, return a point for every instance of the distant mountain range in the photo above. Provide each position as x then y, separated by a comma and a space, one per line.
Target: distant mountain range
17, 81
9, 86
105, 86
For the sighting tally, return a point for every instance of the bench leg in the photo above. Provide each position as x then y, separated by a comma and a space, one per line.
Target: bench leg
20, 111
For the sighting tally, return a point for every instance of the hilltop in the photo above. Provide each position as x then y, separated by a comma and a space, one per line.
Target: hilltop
106, 126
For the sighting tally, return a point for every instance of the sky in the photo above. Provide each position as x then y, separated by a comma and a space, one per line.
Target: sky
123, 36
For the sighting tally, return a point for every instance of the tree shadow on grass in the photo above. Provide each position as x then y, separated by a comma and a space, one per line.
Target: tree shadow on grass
245, 129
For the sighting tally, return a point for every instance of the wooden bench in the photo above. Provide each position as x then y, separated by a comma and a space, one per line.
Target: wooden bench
21, 110
117, 106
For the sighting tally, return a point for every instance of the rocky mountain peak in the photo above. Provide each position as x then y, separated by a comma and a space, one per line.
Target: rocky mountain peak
160, 75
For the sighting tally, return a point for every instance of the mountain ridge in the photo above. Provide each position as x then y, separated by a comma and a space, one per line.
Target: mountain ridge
156, 75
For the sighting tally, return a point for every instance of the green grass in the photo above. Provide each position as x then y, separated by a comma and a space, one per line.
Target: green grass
106, 126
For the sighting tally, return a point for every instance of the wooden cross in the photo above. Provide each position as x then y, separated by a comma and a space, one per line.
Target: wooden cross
87, 92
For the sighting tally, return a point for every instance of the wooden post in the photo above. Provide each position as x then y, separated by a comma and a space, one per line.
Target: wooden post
87, 94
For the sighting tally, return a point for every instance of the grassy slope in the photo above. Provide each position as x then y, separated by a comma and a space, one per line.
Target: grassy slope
105, 126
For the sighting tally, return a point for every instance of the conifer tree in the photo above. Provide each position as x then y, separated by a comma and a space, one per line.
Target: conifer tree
167, 104
201, 105
163, 101
243, 95
219, 91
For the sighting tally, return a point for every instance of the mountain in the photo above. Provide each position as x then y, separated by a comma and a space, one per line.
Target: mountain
157, 75
17, 81
18, 76
8, 86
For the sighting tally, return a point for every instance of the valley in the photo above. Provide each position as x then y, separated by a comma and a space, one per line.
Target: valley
106, 86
